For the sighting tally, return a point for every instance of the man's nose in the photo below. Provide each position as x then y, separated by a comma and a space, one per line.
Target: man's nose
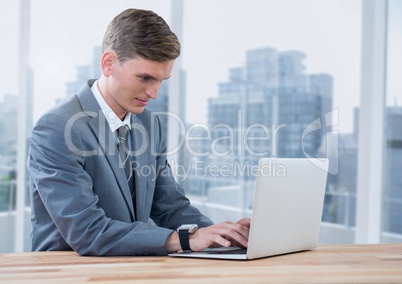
153, 90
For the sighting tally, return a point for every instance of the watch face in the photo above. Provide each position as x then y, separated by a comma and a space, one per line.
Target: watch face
191, 228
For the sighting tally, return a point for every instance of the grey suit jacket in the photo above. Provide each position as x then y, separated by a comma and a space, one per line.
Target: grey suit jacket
79, 194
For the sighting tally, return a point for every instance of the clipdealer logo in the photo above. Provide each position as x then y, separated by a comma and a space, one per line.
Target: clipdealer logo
238, 139
331, 140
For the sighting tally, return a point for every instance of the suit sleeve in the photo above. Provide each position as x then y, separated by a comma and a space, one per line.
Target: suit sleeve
64, 203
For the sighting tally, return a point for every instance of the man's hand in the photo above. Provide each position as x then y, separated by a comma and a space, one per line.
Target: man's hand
223, 234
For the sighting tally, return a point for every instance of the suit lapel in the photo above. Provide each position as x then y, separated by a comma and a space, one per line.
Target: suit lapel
107, 144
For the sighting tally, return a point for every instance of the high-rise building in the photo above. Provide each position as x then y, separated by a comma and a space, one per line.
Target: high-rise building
270, 102
8, 134
85, 72
262, 110
340, 198
341, 190
9, 110
392, 195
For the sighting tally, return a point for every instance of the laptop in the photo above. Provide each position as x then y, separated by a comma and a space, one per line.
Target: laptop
287, 210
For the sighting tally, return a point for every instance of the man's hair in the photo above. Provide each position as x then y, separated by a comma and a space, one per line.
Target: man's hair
143, 33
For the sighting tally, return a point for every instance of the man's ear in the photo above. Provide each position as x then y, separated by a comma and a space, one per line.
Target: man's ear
108, 59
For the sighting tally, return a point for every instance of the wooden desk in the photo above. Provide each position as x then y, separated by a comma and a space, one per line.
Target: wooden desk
326, 264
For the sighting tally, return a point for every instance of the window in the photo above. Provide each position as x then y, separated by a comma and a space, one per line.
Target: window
264, 70
392, 191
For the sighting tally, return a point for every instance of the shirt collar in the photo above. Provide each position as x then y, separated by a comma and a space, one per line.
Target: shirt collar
111, 117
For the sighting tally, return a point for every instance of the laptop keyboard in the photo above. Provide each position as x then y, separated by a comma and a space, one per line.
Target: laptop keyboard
234, 251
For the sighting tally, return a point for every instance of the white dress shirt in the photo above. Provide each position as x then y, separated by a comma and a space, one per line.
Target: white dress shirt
111, 117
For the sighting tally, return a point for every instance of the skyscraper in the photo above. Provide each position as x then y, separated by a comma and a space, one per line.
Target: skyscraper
392, 195
8, 135
276, 100
85, 72
341, 196
263, 110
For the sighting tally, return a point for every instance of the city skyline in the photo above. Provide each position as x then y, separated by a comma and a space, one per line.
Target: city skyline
68, 45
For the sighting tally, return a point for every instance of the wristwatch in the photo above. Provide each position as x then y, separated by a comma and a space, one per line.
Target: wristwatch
184, 235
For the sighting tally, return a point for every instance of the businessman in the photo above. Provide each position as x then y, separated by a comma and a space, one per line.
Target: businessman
86, 193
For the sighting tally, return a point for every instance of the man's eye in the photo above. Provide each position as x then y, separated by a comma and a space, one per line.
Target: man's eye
144, 78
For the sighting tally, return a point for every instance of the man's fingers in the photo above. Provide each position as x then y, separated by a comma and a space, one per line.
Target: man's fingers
236, 233
245, 222
223, 234
222, 241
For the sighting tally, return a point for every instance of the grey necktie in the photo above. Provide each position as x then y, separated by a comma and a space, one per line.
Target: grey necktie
123, 148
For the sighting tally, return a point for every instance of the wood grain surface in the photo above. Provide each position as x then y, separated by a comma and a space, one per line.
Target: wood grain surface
379, 263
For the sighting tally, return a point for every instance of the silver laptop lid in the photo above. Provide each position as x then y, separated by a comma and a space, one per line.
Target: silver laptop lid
288, 206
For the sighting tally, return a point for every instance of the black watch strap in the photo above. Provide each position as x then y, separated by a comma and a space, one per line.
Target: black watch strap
184, 237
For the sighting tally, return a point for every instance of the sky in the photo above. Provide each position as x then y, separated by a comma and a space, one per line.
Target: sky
216, 36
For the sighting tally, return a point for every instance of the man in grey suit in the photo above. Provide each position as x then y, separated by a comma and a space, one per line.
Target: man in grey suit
84, 198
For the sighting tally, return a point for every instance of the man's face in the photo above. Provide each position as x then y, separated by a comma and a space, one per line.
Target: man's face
132, 84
